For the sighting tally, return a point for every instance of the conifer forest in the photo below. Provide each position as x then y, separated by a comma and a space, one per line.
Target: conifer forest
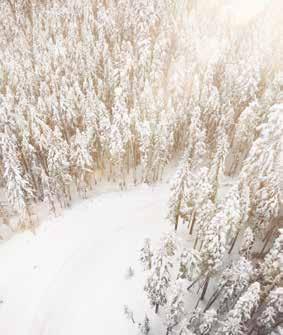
141, 167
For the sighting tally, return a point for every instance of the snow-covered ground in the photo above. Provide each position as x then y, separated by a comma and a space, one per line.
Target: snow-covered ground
70, 278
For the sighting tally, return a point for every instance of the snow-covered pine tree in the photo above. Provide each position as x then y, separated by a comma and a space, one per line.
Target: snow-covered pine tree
158, 281
196, 138
169, 244
213, 247
81, 162
202, 323
208, 321
232, 211
205, 214
49, 193
271, 267
218, 161
247, 243
190, 265
18, 188
271, 315
212, 118
146, 255
144, 327
58, 166
245, 133
175, 308
120, 134
177, 190
234, 322
260, 173
197, 192
266, 202
232, 283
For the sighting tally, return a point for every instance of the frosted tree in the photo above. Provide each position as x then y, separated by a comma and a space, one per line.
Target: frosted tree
247, 243
234, 322
146, 255
190, 265
197, 138
213, 247
260, 173
266, 202
247, 82
214, 243
177, 190
158, 282
169, 244
144, 327
184, 328
205, 214
197, 190
270, 268
236, 208
246, 131
164, 141
217, 163
271, 315
98, 127
19, 190
144, 131
208, 321
81, 161
120, 134
207, 86
232, 283
129, 314
176, 308
232, 212
49, 191
202, 323
159, 279
213, 116
58, 166
4, 214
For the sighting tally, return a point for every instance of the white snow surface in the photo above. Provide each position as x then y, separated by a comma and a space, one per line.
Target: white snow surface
70, 277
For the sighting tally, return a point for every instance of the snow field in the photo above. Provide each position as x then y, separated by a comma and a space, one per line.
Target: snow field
70, 278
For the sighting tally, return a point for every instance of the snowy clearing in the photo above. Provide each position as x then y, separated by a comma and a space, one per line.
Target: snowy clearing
70, 278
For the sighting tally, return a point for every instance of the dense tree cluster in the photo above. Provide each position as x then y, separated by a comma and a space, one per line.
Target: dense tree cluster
110, 89
226, 194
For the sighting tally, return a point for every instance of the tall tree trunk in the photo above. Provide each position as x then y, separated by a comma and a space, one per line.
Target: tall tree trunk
213, 298
233, 243
192, 222
204, 288
156, 308
176, 222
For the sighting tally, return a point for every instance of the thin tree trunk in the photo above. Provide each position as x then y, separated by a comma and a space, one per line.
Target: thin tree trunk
195, 243
213, 298
204, 289
193, 283
267, 235
177, 215
233, 243
156, 308
192, 222
176, 222
266, 243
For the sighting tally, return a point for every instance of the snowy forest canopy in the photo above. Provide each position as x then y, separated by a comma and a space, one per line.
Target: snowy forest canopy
99, 88
96, 90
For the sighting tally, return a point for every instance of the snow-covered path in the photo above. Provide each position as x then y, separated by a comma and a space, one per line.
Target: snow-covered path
70, 278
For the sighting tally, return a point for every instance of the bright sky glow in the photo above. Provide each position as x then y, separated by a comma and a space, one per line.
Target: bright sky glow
245, 10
